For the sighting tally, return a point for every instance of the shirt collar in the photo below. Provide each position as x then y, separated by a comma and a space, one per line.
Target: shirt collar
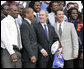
28, 20
35, 13
11, 18
53, 13
43, 24
61, 23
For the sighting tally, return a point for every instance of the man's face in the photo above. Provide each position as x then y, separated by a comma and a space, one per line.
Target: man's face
37, 6
74, 14
54, 6
60, 16
43, 17
14, 12
30, 14
21, 8
61, 3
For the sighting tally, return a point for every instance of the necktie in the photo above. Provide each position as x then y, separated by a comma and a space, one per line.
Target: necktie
18, 35
46, 31
37, 17
60, 30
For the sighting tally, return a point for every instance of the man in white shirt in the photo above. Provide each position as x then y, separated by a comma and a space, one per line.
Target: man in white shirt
10, 40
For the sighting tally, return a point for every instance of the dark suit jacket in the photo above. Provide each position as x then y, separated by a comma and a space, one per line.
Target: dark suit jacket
42, 39
29, 41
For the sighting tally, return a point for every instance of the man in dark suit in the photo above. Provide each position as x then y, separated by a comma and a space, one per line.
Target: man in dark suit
29, 41
46, 36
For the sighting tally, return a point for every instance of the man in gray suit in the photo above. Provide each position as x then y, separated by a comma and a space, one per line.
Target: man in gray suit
68, 38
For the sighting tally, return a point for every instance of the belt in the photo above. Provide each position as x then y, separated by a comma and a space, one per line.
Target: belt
15, 48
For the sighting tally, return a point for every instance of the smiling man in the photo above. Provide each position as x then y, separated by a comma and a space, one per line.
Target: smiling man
46, 36
10, 40
68, 38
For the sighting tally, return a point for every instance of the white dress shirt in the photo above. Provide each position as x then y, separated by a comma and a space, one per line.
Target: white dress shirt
52, 18
19, 20
9, 34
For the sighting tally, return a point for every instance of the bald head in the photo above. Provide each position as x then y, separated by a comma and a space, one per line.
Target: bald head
28, 13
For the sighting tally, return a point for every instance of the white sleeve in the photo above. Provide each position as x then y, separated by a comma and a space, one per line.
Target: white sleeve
5, 37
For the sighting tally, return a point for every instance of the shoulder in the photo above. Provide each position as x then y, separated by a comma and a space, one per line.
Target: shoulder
24, 23
69, 23
50, 26
5, 20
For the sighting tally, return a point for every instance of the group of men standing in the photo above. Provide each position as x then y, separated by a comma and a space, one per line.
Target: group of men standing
30, 45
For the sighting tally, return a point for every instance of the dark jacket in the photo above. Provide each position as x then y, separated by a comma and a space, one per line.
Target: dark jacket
29, 41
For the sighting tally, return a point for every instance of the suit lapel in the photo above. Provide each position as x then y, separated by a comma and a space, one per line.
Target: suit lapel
64, 30
49, 32
31, 28
57, 31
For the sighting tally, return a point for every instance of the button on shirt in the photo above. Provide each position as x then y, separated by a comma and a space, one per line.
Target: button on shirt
9, 34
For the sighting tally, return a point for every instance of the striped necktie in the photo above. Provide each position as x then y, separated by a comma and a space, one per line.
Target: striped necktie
60, 30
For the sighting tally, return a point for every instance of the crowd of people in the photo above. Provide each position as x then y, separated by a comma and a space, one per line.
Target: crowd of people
29, 28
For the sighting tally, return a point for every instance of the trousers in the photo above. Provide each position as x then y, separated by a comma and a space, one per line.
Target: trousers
6, 61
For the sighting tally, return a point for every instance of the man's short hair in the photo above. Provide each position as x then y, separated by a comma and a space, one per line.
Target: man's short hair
58, 9
70, 3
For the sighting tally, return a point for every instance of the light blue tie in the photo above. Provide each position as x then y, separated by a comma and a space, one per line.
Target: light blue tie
46, 31
37, 16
